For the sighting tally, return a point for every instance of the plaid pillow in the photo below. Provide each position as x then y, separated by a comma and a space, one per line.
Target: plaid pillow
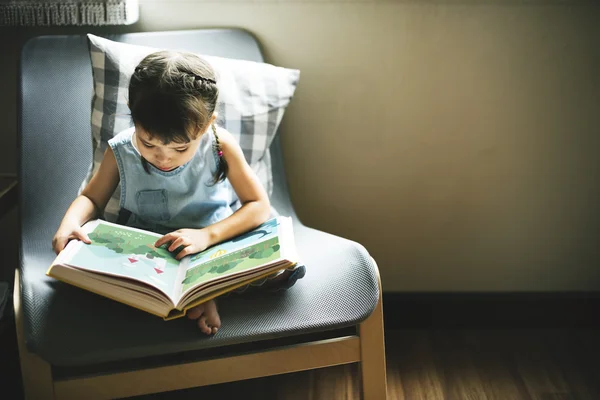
252, 100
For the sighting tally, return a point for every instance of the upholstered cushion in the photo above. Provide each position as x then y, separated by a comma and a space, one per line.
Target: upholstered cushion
253, 97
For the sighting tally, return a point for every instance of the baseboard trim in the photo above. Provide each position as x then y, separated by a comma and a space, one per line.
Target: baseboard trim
561, 310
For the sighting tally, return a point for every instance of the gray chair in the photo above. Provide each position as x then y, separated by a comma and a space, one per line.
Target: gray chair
74, 344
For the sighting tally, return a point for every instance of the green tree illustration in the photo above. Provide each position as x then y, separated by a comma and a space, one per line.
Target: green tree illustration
121, 246
226, 267
216, 269
268, 252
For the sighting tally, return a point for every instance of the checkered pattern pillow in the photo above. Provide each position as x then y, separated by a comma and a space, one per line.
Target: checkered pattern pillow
252, 100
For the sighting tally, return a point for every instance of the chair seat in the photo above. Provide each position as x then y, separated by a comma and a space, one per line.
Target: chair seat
67, 326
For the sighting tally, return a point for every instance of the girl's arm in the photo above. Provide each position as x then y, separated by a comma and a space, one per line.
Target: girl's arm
255, 208
89, 204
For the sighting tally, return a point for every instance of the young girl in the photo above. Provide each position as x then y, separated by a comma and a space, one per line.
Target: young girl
179, 173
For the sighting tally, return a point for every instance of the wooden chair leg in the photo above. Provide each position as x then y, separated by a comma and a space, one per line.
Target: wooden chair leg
372, 353
35, 372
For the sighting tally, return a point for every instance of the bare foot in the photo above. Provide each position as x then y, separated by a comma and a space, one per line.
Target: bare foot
207, 316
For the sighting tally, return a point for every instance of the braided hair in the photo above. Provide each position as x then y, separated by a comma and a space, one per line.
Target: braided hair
172, 96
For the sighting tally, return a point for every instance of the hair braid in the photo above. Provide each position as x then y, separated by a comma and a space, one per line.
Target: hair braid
222, 167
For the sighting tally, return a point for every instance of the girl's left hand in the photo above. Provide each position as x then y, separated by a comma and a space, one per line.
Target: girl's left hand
190, 240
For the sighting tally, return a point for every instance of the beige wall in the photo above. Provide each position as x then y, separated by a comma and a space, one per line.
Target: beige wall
456, 140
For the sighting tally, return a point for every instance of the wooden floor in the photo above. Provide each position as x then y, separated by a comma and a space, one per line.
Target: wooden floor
431, 364
449, 365
494, 364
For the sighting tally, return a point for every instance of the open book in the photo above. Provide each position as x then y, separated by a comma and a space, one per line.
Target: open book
122, 263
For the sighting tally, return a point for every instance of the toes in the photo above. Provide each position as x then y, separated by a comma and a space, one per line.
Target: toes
214, 321
195, 312
202, 325
207, 316
212, 314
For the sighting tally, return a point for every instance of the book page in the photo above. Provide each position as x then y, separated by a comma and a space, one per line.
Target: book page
249, 250
267, 230
125, 252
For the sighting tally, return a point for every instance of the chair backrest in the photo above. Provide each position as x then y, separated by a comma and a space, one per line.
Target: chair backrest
55, 102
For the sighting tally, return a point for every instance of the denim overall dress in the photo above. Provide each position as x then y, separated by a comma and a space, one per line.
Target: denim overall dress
162, 201
185, 197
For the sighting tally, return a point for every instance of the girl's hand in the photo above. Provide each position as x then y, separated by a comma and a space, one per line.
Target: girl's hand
88, 204
67, 232
190, 240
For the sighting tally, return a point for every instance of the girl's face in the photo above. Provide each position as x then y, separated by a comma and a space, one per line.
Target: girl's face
162, 156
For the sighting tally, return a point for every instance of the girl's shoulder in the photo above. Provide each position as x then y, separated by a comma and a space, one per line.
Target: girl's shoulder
222, 131
122, 137
225, 137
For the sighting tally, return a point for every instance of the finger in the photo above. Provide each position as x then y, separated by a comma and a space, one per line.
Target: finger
186, 251
214, 330
60, 244
81, 235
165, 239
180, 241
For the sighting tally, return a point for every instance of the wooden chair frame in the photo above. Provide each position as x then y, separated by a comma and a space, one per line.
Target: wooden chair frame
367, 347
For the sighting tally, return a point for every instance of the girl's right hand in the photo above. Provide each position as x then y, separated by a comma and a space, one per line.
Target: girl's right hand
66, 233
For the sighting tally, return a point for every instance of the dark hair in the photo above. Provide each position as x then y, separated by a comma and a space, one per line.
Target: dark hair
172, 96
